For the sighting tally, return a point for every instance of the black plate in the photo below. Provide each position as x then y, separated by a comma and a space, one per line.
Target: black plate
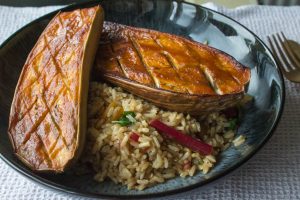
190, 21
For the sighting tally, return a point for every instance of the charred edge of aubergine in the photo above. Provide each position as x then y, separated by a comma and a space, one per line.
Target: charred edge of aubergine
92, 43
180, 102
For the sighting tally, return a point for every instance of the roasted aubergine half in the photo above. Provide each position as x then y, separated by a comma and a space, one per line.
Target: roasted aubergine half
170, 71
48, 115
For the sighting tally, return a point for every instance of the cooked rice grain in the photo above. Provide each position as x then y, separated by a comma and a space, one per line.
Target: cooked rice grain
239, 140
152, 159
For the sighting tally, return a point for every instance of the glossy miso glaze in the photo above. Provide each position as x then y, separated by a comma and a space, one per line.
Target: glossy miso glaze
44, 118
168, 62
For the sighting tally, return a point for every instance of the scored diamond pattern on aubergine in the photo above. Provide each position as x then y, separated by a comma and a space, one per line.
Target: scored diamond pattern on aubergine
170, 61
40, 104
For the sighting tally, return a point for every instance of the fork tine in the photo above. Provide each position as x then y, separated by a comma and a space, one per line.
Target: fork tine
289, 51
282, 54
276, 54
283, 70
281, 64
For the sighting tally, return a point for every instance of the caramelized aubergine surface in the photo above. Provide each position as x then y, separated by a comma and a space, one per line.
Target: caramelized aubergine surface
48, 114
172, 72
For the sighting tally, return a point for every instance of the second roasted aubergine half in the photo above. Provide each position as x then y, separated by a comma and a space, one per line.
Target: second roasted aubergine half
170, 71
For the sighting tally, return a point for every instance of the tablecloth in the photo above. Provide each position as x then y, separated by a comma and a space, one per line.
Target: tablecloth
274, 173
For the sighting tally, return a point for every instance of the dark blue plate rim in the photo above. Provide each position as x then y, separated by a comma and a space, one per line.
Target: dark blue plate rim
44, 182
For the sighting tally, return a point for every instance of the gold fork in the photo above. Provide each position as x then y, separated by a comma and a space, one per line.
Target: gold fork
287, 54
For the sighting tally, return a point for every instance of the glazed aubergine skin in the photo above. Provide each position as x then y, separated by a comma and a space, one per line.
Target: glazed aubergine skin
170, 71
48, 115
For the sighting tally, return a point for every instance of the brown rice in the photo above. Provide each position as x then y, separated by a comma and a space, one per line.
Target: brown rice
153, 159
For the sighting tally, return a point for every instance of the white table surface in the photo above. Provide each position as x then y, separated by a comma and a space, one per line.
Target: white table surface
274, 173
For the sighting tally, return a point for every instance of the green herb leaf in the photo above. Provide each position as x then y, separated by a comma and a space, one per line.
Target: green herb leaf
126, 119
232, 124
129, 113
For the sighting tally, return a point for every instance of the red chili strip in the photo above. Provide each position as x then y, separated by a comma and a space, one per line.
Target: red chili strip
134, 136
181, 138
